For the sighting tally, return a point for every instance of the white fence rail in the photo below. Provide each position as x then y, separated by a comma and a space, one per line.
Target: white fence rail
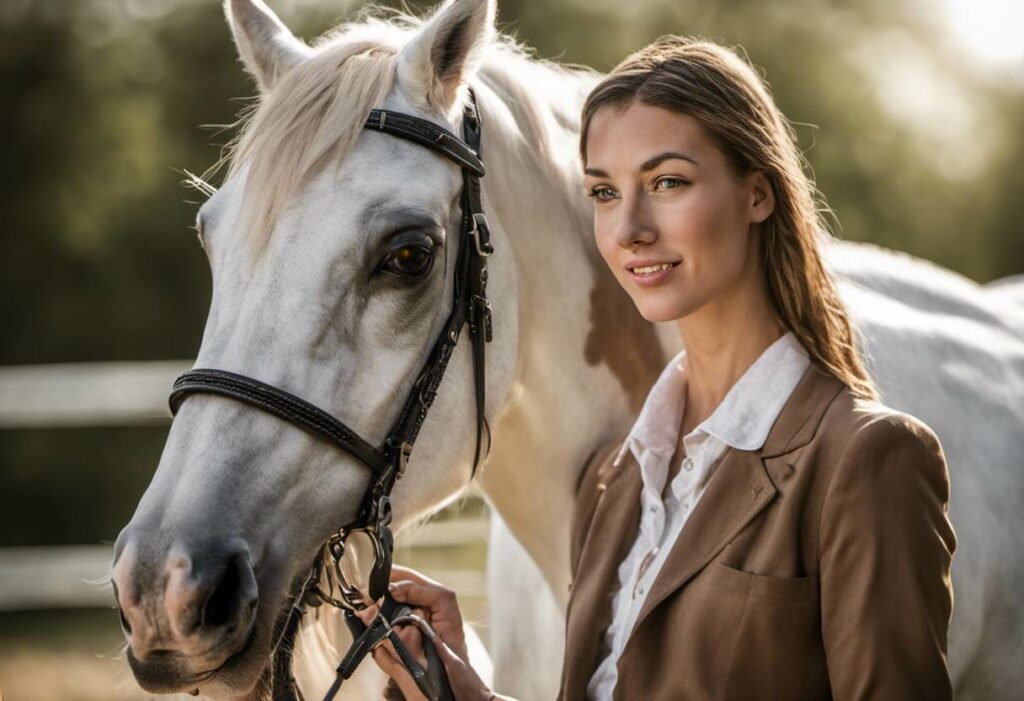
87, 394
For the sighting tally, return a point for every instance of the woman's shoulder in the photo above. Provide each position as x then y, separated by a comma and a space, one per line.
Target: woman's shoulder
877, 449
836, 421
886, 474
855, 422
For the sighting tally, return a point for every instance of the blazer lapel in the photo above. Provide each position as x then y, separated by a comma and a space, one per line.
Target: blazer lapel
740, 487
613, 529
736, 492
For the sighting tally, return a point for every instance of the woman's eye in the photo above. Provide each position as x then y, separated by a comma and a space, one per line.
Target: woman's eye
409, 261
670, 183
602, 193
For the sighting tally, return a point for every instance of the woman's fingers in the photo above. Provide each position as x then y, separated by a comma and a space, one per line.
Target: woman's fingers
367, 614
434, 596
416, 589
465, 684
440, 604
390, 665
439, 607
412, 638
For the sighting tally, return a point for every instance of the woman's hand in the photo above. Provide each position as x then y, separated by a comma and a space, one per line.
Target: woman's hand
437, 605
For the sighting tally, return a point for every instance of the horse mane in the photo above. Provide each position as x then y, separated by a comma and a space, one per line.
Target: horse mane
313, 117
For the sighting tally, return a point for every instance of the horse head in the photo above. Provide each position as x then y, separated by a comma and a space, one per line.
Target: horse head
332, 251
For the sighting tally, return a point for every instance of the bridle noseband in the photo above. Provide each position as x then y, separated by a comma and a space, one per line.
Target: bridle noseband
387, 463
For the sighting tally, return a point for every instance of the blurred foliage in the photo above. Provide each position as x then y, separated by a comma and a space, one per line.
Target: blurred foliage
102, 103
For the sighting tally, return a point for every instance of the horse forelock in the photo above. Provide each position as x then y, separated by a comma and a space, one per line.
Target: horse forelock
312, 117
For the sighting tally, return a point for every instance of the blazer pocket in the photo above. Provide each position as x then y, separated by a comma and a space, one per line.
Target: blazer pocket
759, 586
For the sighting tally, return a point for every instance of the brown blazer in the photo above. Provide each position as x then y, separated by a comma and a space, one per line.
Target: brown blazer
816, 567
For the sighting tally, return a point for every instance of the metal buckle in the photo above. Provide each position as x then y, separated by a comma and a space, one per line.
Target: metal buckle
351, 597
482, 242
384, 513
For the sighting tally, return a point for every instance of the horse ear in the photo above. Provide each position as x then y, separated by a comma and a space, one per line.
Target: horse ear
267, 47
445, 52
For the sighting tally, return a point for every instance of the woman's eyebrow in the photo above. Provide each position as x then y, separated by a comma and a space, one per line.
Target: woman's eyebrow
652, 163
649, 164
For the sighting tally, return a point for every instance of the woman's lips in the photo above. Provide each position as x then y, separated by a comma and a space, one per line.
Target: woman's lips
650, 278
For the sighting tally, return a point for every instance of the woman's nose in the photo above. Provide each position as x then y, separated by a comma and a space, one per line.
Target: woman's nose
634, 226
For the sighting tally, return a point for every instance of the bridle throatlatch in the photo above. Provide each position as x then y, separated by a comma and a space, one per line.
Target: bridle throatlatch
366, 582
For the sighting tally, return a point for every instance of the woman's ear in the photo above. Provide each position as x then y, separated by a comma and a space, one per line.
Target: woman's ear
762, 197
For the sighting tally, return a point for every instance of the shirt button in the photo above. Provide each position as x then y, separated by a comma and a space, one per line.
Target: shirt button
688, 463
654, 509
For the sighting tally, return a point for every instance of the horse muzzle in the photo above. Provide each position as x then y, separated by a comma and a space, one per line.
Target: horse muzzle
186, 614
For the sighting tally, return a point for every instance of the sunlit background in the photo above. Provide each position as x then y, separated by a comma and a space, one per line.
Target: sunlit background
909, 112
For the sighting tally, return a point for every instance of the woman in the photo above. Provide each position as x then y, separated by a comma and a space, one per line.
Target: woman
767, 529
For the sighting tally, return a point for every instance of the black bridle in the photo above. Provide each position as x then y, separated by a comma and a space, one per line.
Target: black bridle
388, 463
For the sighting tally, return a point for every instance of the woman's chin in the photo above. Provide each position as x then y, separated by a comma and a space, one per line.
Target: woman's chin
661, 311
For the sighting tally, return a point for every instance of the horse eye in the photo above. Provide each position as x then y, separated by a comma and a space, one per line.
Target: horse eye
411, 261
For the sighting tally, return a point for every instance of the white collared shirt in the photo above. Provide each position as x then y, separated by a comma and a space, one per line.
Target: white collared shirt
741, 421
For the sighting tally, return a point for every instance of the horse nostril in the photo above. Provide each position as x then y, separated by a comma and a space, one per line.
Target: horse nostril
225, 600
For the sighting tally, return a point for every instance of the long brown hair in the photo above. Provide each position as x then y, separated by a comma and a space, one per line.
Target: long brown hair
722, 91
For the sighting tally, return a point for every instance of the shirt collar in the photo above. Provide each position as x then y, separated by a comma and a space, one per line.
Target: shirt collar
744, 417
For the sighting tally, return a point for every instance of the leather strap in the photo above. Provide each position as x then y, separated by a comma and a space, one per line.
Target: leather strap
280, 403
427, 134
432, 680
479, 313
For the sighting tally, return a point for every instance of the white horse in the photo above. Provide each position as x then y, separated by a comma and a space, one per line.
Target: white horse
296, 236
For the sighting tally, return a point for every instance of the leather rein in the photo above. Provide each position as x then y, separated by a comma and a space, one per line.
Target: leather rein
387, 463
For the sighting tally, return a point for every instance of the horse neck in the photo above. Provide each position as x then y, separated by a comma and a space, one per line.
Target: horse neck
584, 356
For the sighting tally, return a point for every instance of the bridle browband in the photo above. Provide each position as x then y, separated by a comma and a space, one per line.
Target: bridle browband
387, 463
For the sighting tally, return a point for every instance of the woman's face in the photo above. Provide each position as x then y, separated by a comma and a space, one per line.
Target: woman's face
671, 218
